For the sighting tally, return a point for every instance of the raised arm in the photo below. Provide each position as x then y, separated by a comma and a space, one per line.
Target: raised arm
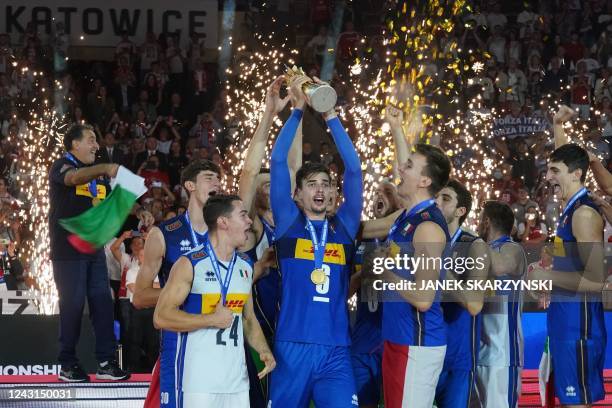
352, 183
168, 314
564, 114
257, 148
284, 209
395, 119
294, 160
601, 174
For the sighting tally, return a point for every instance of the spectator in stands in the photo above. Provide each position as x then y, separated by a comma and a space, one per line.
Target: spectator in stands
145, 105
149, 53
125, 47
531, 230
522, 202
101, 109
201, 86
150, 151
124, 94
109, 152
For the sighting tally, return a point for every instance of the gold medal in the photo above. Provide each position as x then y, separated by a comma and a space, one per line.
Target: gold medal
95, 201
318, 276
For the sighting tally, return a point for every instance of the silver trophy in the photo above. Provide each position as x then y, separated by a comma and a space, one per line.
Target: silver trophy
321, 97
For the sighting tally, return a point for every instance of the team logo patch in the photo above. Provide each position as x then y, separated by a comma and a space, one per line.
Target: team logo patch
244, 274
425, 215
570, 391
354, 400
185, 245
174, 226
210, 276
196, 255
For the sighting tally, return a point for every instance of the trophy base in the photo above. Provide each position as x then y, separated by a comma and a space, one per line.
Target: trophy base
322, 98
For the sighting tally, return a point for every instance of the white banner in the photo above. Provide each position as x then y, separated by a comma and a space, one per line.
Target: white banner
17, 302
101, 23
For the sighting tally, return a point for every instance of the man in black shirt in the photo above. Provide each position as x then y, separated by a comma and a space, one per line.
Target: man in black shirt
74, 187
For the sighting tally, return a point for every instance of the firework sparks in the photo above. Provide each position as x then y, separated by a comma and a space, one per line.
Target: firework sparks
38, 148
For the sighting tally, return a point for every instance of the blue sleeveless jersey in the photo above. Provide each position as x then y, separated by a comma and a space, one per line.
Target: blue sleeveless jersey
312, 313
178, 240
402, 322
572, 315
366, 334
463, 343
266, 291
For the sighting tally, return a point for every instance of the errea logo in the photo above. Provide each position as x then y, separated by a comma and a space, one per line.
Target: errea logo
570, 391
185, 245
354, 400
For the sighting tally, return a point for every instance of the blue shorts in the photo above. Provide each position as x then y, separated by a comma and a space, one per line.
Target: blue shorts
312, 371
455, 388
367, 368
578, 370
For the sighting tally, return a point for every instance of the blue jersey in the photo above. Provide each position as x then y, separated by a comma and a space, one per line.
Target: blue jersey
402, 322
571, 315
266, 291
462, 346
312, 313
366, 334
178, 238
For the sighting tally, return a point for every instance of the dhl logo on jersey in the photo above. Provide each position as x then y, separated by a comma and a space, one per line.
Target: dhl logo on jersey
234, 301
558, 247
334, 253
83, 190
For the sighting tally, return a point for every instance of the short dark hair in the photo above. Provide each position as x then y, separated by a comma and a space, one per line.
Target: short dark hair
75, 132
500, 215
438, 166
464, 197
309, 169
217, 206
191, 171
574, 157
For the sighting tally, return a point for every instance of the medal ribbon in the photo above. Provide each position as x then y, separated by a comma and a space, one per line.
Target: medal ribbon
194, 236
456, 236
224, 283
92, 185
318, 246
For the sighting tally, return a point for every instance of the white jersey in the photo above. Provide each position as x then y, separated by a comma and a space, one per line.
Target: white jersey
212, 360
501, 340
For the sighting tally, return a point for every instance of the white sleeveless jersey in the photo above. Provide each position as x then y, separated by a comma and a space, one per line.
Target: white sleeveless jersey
501, 339
212, 360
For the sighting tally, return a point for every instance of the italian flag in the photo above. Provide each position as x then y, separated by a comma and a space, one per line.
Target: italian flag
98, 225
547, 392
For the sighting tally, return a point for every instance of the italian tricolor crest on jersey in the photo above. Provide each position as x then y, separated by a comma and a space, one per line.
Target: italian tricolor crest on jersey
244, 274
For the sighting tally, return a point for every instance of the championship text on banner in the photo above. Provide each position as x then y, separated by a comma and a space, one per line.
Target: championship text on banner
512, 127
102, 23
